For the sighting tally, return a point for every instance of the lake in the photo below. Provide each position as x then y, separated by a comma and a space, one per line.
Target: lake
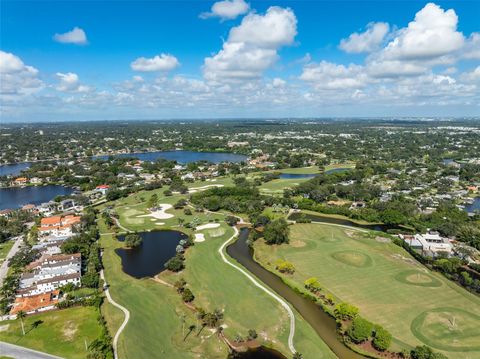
297, 175
148, 259
474, 206
16, 197
13, 169
183, 156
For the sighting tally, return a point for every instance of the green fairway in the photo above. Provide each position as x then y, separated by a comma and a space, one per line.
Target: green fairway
156, 309
276, 186
62, 332
416, 305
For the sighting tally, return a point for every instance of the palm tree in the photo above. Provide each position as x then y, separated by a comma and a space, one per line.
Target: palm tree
20, 315
297, 355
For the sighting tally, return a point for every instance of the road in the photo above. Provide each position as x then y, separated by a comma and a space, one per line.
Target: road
4, 267
122, 308
282, 302
15, 351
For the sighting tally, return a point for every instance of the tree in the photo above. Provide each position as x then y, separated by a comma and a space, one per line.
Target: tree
153, 200
133, 240
297, 355
175, 264
345, 311
252, 334
382, 338
187, 295
360, 330
284, 266
276, 232
424, 352
312, 284
231, 220
20, 315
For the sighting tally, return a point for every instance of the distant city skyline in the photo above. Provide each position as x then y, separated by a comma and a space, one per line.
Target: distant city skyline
66, 61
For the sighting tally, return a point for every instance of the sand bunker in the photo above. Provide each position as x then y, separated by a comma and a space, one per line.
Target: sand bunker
160, 214
208, 225
199, 237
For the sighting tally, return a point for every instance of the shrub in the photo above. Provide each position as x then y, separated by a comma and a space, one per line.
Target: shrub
187, 295
345, 311
175, 264
360, 330
382, 338
133, 240
312, 284
284, 267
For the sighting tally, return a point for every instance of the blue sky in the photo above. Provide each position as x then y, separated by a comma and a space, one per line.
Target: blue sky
288, 62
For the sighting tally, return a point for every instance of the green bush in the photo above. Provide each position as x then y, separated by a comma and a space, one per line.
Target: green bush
382, 338
360, 330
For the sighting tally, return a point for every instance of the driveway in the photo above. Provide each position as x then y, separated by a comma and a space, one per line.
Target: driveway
4, 267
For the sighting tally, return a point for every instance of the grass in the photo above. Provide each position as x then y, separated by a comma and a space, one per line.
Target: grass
4, 249
62, 332
276, 186
386, 283
156, 309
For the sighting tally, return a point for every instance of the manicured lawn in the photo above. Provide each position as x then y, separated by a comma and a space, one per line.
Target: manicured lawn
416, 305
276, 187
61, 332
157, 311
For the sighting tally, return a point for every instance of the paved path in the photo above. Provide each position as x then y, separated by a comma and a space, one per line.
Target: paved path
266, 290
15, 248
123, 309
117, 222
15, 351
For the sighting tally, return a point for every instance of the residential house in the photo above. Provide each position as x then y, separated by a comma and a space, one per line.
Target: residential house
58, 225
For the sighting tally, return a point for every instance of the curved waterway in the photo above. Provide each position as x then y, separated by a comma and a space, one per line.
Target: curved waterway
320, 321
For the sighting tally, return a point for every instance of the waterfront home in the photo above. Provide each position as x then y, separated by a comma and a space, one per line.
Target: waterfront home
29, 208
36, 180
20, 181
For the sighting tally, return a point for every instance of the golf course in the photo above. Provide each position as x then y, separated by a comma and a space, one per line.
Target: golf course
160, 321
416, 305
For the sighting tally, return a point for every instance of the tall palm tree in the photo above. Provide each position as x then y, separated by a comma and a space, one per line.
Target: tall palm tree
20, 315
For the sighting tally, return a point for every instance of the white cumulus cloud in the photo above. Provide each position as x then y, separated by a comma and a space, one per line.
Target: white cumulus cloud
366, 41
76, 36
70, 82
227, 9
16, 78
253, 46
162, 62
433, 33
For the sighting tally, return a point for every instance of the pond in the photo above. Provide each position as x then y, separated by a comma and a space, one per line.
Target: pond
183, 156
341, 221
321, 322
297, 175
258, 353
16, 197
148, 259
13, 169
